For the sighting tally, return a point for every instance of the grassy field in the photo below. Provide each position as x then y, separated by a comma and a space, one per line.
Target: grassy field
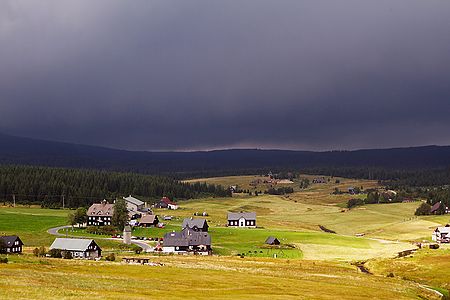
197, 278
309, 264
431, 267
31, 224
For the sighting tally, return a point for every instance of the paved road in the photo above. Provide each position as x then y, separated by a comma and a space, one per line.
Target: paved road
54, 231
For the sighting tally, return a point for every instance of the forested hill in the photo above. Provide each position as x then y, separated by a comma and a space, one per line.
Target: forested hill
25, 151
77, 187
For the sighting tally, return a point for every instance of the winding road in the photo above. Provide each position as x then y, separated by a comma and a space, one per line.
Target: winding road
55, 231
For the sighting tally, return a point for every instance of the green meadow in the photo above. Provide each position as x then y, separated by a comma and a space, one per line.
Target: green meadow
309, 263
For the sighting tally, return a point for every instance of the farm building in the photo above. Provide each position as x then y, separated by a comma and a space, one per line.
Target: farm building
149, 220
134, 204
242, 219
166, 203
441, 234
100, 214
195, 224
271, 240
439, 208
10, 244
79, 248
187, 241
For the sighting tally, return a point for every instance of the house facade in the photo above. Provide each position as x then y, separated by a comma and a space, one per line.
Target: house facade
134, 204
242, 219
79, 248
195, 224
10, 244
441, 234
100, 214
187, 241
166, 203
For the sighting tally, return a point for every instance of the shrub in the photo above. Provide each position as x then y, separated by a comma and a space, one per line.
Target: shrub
354, 202
36, 251
55, 253
111, 257
67, 255
3, 260
104, 230
423, 209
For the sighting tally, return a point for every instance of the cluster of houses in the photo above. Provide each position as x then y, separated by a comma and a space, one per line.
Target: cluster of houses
100, 214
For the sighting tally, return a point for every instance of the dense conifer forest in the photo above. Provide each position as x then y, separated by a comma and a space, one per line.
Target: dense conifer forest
49, 187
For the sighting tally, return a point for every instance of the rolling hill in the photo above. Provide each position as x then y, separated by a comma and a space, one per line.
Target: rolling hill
27, 151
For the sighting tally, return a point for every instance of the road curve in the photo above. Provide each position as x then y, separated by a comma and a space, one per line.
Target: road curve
55, 231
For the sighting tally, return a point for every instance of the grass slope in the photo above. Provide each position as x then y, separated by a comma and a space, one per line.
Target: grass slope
197, 278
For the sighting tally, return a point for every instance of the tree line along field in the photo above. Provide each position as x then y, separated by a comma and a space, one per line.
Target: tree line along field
319, 263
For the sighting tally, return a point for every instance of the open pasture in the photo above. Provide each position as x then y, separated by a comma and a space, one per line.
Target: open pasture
198, 278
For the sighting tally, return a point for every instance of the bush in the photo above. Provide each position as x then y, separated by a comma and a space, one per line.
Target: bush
423, 210
103, 230
67, 255
354, 202
3, 260
111, 257
55, 253
36, 252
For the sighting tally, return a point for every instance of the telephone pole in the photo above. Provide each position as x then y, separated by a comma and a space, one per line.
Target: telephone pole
14, 199
63, 200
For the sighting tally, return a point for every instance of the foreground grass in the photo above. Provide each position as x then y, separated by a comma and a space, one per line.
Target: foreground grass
197, 278
431, 267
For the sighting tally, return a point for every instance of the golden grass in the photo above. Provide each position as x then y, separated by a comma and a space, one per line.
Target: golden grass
196, 278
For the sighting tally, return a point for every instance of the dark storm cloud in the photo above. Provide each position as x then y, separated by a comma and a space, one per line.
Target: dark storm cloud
211, 74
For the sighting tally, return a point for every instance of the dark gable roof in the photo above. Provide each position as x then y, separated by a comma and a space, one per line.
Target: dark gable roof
435, 207
271, 239
10, 239
191, 223
246, 215
186, 238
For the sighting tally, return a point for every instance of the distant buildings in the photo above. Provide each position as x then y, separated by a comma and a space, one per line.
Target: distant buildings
79, 248
134, 204
10, 244
148, 221
195, 224
100, 214
441, 234
439, 208
187, 241
166, 203
242, 219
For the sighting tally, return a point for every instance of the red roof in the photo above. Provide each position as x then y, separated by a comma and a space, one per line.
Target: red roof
167, 201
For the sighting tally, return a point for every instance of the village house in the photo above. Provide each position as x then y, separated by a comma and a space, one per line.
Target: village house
319, 180
134, 204
148, 221
79, 248
187, 241
271, 240
435, 208
195, 224
166, 203
100, 214
242, 219
441, 234
10, 244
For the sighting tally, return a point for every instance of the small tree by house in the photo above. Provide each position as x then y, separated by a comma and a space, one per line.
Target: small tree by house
423, 210
120, 215
2, 246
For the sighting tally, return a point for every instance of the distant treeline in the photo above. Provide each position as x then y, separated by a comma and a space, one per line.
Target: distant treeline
78, 187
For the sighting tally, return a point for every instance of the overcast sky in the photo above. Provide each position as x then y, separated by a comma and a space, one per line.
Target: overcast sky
186, 75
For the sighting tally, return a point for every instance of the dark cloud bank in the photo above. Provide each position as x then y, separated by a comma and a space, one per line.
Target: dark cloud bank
168, 75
